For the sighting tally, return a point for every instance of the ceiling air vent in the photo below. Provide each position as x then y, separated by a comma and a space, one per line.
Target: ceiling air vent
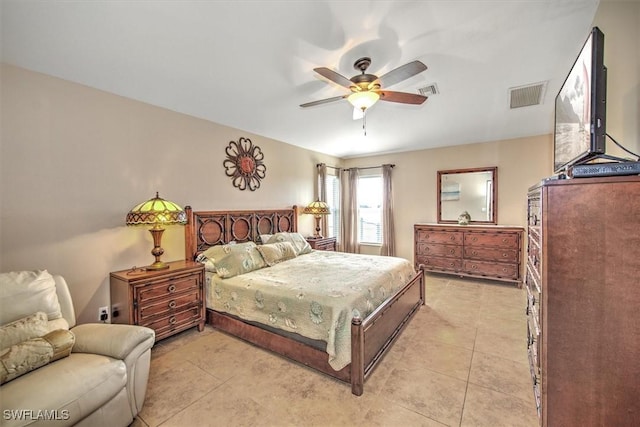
429, 90
524, 96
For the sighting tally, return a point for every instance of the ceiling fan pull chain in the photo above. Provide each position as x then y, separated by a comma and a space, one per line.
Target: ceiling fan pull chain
364, 121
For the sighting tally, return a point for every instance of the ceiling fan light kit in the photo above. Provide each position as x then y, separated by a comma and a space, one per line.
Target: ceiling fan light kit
367, 88
363, 100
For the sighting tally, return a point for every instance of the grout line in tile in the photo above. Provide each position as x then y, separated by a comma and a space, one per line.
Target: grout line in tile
466, 388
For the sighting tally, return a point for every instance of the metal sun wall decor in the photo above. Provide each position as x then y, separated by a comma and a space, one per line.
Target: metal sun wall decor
244, 164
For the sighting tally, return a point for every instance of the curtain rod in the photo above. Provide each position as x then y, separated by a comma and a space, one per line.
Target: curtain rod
347, 169
369, 167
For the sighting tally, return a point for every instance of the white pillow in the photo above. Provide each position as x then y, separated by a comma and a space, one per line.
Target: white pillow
25, 292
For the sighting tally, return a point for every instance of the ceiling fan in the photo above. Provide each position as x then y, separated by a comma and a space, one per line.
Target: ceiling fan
367, 89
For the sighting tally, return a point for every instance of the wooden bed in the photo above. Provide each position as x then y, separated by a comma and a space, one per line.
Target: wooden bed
371, 337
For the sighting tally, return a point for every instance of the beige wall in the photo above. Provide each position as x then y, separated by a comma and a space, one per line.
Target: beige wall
521, 163
74, 160
620, 23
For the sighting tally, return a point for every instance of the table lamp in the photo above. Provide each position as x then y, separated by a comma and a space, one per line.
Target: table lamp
158, 213
317, 209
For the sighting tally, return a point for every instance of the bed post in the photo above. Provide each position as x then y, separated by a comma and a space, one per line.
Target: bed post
357, 356
189, 235
423, 284
295, 217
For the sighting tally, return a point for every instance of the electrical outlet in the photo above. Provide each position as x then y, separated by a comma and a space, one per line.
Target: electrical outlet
103, 314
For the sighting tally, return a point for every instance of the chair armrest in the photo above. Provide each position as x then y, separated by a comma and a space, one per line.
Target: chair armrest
116, 341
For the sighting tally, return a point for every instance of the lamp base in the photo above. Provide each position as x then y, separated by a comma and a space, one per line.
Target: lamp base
158, 265
157, 251
317, 235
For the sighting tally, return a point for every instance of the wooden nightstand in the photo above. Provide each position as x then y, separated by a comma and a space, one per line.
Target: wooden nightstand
323, 243
167, 301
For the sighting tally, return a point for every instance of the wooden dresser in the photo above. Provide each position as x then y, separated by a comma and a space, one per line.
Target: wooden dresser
583, 286
488, 252
167, 301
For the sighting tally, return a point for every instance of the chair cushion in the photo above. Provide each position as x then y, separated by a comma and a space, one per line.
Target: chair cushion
73, 387
25, 292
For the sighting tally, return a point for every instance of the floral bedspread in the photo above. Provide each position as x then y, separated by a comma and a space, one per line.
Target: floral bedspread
315, 295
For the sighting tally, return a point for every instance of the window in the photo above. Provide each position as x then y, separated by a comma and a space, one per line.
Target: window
333, 199
370, 209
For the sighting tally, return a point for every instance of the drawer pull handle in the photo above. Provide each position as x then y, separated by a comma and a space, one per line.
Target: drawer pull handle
172, 288
452, 237
451, 251
172, 321
505, 240
172, 304
505, 255
474, 266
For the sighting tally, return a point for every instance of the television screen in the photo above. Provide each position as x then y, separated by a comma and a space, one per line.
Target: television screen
580, 108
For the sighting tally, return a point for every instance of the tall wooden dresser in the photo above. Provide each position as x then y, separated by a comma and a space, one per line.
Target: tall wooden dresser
482, 251
583, 285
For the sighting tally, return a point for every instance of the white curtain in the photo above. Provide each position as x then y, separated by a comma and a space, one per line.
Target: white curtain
349, 229
322, 195
388, 232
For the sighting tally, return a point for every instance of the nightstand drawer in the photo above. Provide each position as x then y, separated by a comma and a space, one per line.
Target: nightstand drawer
169, 305
164, 288
166, 326
323, 244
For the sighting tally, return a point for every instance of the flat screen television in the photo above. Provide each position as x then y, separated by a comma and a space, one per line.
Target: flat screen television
580, 110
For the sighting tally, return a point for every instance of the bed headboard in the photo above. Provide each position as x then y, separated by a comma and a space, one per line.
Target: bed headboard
208, 228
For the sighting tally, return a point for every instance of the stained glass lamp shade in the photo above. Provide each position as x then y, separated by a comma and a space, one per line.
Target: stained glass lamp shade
317, 209
156, 212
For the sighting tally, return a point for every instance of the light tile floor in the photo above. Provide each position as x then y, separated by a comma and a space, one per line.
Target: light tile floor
461, 362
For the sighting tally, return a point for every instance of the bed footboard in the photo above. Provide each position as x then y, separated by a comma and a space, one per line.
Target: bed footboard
373, 336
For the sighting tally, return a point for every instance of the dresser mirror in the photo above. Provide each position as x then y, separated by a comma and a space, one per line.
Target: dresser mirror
472, 191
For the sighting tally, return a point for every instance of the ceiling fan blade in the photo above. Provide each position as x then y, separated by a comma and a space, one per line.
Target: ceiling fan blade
402, 97
334, 77
402, 73
323, 101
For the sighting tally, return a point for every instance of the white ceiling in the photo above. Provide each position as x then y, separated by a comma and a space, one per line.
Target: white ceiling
249, 64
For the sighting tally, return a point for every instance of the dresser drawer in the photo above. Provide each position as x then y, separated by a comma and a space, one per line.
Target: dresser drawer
449, 251
488, 254
171, 304
501, 240
493, 269
535, 379
165, 288
441, 263
430, 236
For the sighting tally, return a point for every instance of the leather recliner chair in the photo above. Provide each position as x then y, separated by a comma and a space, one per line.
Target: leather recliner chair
102, 382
